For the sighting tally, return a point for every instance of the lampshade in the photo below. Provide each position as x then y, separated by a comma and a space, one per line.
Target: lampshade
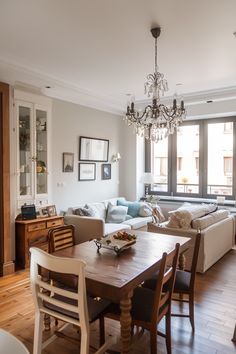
147, 178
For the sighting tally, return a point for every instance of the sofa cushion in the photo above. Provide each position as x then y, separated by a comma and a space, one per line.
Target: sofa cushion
145, 210
183, 216
84, 212
128, 217
116, 214
98, 208
112, 228
138, 222
133, 207
210, 219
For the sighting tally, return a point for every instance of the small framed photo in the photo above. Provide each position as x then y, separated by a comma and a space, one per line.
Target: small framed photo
106, 171
51, 210
67, 162
43, 212
87, 171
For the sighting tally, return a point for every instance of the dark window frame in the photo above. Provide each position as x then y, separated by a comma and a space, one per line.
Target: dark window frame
203, 160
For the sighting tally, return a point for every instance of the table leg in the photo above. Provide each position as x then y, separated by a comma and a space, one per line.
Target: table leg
125, 323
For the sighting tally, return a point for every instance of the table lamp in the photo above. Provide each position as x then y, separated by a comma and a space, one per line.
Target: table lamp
147, 179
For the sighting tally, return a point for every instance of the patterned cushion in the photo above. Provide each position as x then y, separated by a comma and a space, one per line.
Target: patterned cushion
84, 212
145, 210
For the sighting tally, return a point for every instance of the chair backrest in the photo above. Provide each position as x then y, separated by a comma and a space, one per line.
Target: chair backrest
65, 304
166, 280
195, 259
61, 237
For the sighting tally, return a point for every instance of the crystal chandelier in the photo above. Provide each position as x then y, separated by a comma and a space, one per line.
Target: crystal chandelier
157, 121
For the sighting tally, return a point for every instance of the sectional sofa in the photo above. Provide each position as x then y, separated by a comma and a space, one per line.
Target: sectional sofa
217, 228
90, 227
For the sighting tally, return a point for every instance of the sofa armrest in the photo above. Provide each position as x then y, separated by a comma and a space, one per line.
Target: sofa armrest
86, 228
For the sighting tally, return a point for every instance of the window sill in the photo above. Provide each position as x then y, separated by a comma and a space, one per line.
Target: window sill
229, 203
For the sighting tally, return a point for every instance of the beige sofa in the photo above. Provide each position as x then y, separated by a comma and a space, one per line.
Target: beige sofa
217, 230
87, 228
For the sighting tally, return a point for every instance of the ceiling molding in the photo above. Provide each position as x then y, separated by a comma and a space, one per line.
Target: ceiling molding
36, 81
59, 88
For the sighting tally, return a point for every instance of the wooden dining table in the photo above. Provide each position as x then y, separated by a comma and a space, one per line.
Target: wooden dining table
114, 277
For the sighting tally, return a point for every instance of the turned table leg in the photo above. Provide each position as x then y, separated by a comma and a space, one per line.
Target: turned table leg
125, 323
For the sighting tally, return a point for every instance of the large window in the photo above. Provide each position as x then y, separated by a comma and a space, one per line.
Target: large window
199, 160
187, 152
160, 165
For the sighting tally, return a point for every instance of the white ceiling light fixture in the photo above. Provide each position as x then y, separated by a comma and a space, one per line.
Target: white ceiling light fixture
157, 121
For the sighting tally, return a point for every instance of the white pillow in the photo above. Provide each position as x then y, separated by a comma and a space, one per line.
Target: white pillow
116, 214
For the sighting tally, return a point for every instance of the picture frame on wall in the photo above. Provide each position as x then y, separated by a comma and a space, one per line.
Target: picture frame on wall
87, 171
93, 149
106, 171
67, 162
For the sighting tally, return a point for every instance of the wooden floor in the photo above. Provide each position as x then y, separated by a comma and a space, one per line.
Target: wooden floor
215, 315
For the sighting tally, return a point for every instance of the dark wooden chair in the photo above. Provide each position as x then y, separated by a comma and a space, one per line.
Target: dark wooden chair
148, 306
61, 237
184, 283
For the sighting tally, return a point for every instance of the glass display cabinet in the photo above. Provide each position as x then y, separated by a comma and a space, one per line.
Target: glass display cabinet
32, 153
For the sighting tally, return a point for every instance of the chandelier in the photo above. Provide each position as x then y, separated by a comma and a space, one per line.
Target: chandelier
157, 121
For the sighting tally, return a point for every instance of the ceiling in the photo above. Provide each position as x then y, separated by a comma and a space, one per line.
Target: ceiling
94, 52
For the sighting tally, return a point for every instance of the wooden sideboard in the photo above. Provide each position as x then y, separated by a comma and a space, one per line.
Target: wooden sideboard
33, 233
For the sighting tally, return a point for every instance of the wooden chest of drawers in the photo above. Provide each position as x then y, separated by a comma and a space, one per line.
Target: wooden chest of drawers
33, 233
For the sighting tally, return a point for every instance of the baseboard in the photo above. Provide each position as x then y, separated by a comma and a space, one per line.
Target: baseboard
7, 268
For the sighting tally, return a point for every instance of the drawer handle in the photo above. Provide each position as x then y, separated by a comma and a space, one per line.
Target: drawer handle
54, 223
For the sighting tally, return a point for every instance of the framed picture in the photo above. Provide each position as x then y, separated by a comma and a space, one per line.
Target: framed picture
106, 171
93, 149
51, 210
43, 212
67, 162
87, 171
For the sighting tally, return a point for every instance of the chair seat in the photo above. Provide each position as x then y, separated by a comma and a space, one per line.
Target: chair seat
95, 307
151, 282
142, 304
182, 281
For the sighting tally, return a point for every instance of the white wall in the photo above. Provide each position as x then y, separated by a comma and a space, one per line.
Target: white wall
69, 121
131, 164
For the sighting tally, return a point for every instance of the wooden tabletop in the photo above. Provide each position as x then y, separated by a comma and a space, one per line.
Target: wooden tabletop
112, 276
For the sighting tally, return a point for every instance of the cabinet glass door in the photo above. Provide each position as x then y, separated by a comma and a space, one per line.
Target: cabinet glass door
41, 152
25, 151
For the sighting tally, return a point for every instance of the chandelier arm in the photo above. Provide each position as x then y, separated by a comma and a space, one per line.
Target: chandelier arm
156, 121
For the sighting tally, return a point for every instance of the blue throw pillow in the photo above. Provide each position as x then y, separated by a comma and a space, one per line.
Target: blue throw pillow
133, 207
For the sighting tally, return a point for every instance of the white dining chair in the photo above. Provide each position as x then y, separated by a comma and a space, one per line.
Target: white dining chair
10, 344
72, 306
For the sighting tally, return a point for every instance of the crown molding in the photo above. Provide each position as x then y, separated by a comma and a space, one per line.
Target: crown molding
36, 80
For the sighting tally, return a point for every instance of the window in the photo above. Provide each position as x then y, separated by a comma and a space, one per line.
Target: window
160, 165
187, 148
199, 160
228, 166
218, 165
228, 127
179, 163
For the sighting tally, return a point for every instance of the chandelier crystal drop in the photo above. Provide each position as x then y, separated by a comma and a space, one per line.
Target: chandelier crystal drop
157, 121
